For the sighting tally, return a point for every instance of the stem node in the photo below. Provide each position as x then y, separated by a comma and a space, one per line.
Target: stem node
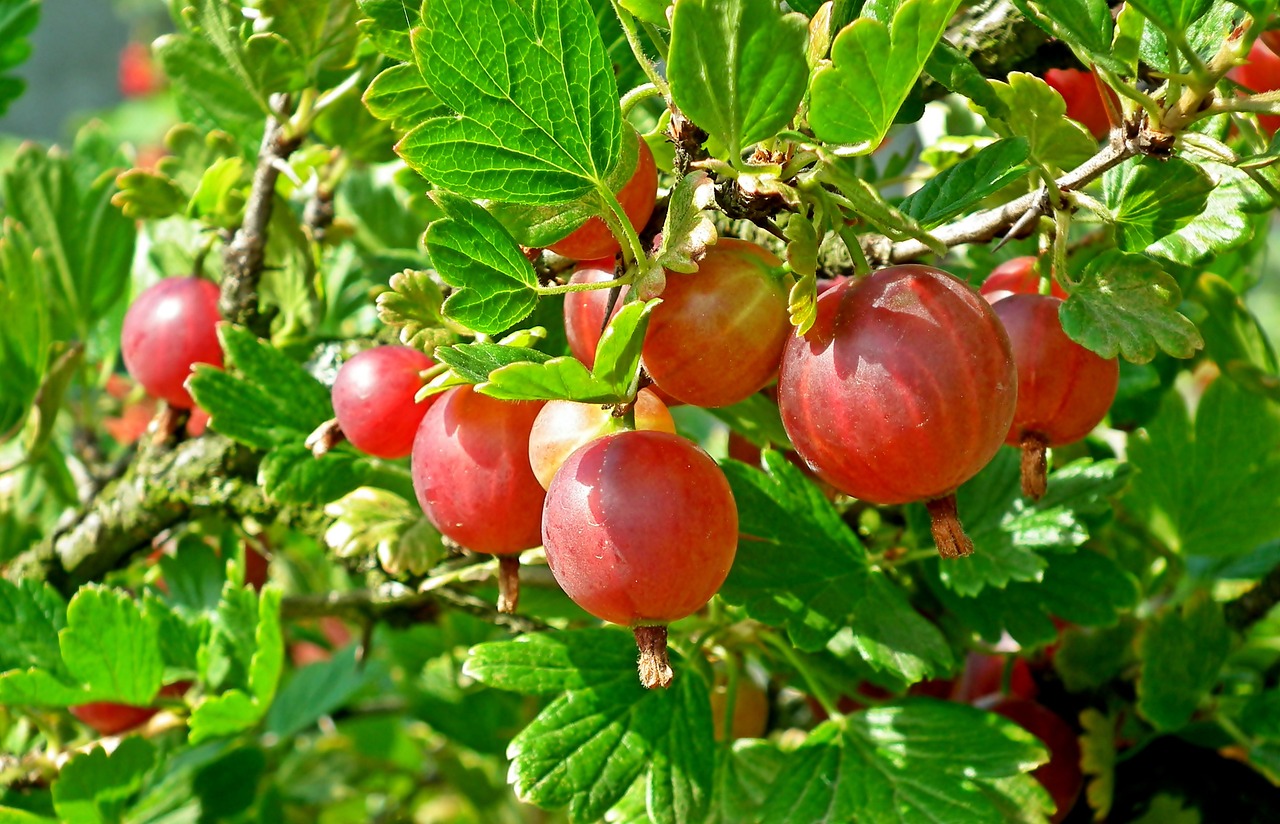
948, 532
654, 666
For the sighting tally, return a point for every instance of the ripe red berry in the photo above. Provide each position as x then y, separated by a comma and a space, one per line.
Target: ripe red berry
111, 718
472, 476
1016, 277
373, 399
168, 329
718, 335
1064, 390
640, 529
1261, 74
1061, 776
1084, 100
903, 389
563, 426
584, 312
593, 239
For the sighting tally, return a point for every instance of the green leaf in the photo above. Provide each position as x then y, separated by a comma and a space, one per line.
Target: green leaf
1009, 534
387, 23
1209, 487
687, 230
413, 305
875, 64
869, 204
954, 70
537, 117
1234, 338
494, 283
617, 363
320, 33
1038, 113
32, 613
920, 760
94, 787
18, 19
291, 474
64, 201
314, 691
109, 646
194, 576
1086, 23
737, 68
967, 183
1181, 651
1126, 305
588, 746
1173, 15
1098, 759
1151, 199
1224, 223
1088, 658
799, 566
1082, 587
650, 11
26, 338
564, 377
273, 401
237, 710
148, 195
474, 362
219, 198
400, 96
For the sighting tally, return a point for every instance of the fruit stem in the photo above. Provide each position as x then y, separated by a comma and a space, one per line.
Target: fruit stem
654, 666
948, 532
508, 583
1034, 464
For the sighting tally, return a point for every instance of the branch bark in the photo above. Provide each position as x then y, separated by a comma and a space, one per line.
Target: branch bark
161, 488
244, 257
1251, 607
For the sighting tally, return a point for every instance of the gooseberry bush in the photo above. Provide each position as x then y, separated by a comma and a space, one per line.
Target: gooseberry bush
620, 410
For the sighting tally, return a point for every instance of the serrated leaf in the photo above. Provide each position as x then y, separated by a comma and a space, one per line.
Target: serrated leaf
617, 363
920, 760
1126, 305
32, 613
211, 91
321, 34
494, 283
869, 204
1082, 587
587, 747
967, 183
1209, 487
1180, 652
95, 788
1098, 760
799, 566
564, 377
194, 576
237, 710
1009, 533
291, 474
687, 230
1234, 338
1173, 15
273, 401
401, 97
219, 197
737, 68
413, 305
474, 362
874, 65
316, 690
147, 195
1222, 225
1086, 23
536, 103
1151, 199
1038, 113
17, 21
387, 23
26, 338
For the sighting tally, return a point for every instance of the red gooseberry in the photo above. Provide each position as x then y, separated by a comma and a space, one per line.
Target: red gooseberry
1064, 390
1261, 74
171, 326
901, 391
1016, 277
472, 478
593, 239
111, 718
563, 426
640, 529
1083, 98
1061, 776
373, 399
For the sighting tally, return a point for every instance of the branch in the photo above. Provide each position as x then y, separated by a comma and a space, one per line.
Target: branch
1251, 607
244, 256
161, 488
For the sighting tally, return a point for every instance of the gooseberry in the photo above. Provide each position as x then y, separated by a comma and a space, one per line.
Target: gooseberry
563, 426
112, 718
901, 391
472, 477
640, 529
593, 239
1061, 776
171, 326
1083, 98
1016, 277
373, 399
1261, 74
1064, 390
